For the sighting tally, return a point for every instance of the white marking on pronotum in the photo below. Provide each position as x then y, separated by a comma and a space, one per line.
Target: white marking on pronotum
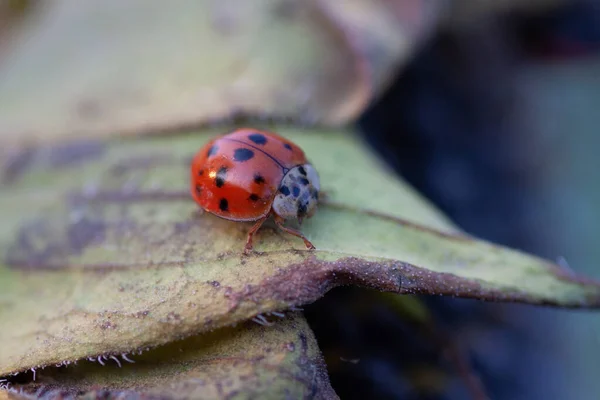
124, 357
116, 360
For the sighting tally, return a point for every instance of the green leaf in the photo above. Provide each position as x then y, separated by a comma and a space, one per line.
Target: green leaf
105, 252
248, 361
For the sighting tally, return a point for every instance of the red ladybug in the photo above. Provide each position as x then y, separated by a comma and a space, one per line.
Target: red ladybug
248, 175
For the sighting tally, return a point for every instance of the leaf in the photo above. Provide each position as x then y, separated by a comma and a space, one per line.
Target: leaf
249, 361
6, 395
106, 253
108, 68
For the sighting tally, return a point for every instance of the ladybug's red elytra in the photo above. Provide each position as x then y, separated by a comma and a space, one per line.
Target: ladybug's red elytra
249, 175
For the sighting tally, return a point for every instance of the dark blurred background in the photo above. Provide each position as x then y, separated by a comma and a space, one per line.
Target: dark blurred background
496, 124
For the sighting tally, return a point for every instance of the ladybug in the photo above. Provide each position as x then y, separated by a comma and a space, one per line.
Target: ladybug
249, 175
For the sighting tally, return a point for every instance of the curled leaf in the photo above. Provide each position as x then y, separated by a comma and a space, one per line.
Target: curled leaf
248, 361
105, 68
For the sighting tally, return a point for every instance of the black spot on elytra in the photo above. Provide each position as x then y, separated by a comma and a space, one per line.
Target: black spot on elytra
258, 179
285, 190
254, 197
296, 191
302, 170
301, 209
287, 146
198, 189
242, 154
258, 138
201, 172
304, 181
221, 176
212, 151
224, 205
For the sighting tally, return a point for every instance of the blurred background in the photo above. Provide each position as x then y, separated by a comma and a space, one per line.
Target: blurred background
493, 116
497, 123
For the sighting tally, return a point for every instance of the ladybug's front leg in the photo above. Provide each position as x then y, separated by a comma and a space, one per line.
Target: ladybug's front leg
251, 233
279, 221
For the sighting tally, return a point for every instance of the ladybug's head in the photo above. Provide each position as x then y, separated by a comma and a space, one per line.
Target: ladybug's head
298, 194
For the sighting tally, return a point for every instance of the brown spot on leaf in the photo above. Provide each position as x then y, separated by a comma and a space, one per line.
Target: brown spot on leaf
58, 156
173, 317
108, 325
84, 233
144, 162
74, 153
141, 314
40, 245
16, 165
36, 245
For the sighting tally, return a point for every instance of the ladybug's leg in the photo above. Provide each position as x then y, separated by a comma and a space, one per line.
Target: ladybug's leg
251, 233
324, 195
279, 221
